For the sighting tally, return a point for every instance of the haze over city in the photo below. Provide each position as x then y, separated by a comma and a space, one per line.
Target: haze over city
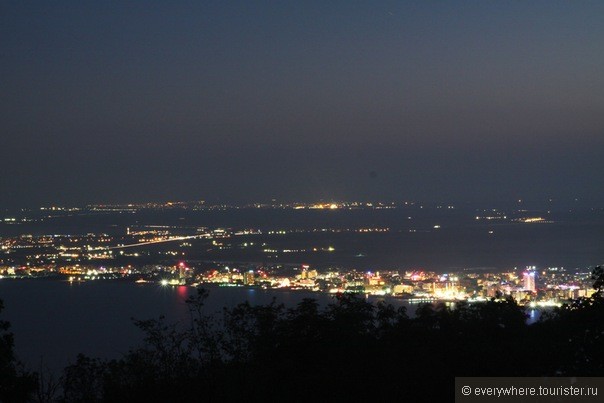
240, 101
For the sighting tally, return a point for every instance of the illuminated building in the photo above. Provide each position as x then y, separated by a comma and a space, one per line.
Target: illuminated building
182, 271
528, 277
248, 278
402, 289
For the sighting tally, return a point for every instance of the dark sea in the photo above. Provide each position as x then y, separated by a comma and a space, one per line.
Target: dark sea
55, 320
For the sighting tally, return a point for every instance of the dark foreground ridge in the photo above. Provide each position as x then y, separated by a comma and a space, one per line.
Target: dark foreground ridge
350, 350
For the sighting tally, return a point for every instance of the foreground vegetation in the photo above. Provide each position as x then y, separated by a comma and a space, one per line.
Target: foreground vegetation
349, 349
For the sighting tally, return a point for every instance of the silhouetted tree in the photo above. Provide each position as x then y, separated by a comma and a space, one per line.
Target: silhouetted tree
16, 385
83, 381
598, 276
341, 351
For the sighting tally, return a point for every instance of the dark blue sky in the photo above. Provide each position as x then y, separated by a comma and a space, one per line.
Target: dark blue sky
239, 101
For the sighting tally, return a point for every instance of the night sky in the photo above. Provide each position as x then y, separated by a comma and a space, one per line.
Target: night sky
248, 101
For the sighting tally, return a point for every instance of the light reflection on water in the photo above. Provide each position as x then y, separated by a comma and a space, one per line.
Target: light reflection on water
533, 315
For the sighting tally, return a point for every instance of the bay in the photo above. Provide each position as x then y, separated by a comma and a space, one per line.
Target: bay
55, 320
